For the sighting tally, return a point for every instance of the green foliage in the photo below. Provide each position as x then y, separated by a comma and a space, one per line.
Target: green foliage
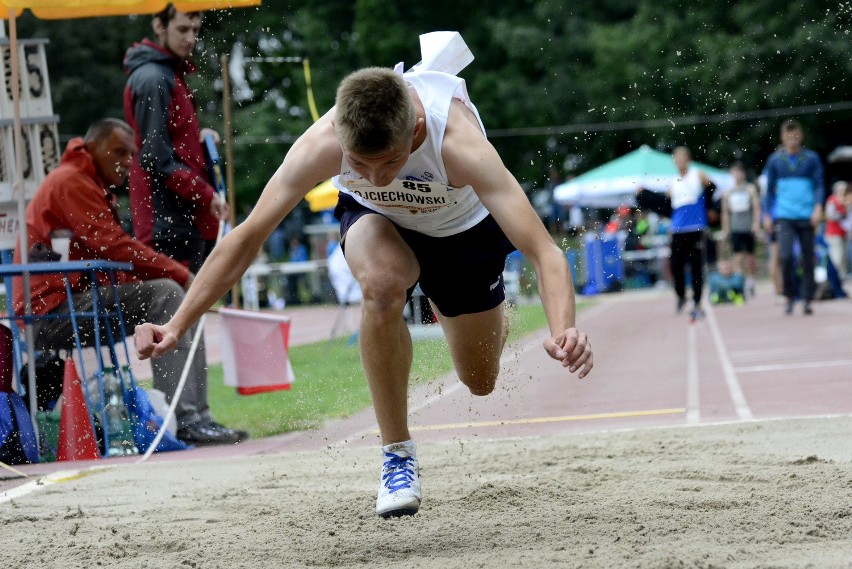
712, 58
539, 63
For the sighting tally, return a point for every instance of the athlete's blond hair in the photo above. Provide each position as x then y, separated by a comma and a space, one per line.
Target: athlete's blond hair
373, 111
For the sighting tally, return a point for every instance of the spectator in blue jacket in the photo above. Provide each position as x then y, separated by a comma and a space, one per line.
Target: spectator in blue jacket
794, 194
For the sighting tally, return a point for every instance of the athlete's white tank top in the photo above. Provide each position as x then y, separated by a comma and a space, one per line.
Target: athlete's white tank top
687, 189
421, 198
687, 193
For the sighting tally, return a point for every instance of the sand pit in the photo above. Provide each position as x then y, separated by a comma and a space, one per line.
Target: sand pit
764, 494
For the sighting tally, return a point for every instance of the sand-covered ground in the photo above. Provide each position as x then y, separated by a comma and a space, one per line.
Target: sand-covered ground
761, 494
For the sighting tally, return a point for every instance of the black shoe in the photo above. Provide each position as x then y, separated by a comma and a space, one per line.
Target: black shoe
807, 310
681, 302
202, 433
239, 434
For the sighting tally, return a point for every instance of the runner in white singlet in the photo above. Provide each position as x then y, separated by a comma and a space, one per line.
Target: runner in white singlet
425, 198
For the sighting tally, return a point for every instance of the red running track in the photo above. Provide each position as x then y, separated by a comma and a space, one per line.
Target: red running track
653, 368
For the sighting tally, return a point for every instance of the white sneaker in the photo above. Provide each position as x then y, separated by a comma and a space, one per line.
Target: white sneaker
399, 484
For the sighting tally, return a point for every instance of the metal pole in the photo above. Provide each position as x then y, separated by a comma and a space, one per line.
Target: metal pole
19, 190
229, 159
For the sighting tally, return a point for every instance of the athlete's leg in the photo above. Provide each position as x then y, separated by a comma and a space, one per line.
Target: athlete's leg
738, 253
786, 233
385, 268
696, 261
476, 342
806, 236
774, 262
737, 263
677, 262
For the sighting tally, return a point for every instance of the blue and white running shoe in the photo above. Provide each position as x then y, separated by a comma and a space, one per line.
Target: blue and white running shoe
399, 486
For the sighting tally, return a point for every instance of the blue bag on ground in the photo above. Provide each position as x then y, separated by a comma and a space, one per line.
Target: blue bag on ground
17, 437
147, 422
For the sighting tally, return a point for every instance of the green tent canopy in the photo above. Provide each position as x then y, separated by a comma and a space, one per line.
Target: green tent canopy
614, 183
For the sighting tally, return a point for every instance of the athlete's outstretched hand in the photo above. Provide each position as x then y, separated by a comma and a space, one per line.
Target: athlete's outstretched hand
153, 341
573, 349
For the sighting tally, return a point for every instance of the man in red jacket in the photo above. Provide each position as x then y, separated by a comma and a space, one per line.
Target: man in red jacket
174, 207
77, 197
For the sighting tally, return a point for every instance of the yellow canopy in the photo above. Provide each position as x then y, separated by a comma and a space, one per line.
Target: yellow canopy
59, 9
322, 197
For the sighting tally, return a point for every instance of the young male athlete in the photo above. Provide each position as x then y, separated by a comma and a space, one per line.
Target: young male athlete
424, 198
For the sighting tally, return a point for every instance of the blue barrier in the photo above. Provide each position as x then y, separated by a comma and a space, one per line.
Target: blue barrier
604, 265
573, 258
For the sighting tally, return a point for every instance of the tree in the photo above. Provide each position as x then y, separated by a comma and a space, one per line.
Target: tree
590, 66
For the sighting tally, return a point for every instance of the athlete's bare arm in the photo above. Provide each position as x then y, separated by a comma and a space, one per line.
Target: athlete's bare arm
755, 208
726, 217
315, 157
471, 160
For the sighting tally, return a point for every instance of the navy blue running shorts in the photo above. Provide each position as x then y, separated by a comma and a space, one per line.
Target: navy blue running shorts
742, 242
460, 274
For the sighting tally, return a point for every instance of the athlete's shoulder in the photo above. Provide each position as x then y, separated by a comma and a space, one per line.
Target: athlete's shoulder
318, 148
322, 134
702, 175
460, 112
463, 133
774, 158
811, 155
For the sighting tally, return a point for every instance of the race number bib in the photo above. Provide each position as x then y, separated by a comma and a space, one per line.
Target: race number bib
409, 196
739, 202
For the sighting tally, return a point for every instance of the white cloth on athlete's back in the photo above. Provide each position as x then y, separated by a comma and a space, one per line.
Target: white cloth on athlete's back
441, 51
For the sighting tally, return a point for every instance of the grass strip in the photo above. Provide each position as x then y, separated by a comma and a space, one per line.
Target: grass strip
330, 382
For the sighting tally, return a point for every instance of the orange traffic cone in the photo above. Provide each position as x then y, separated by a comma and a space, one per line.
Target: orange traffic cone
76, 438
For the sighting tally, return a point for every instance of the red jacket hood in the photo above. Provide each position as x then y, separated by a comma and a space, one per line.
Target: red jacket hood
76, 155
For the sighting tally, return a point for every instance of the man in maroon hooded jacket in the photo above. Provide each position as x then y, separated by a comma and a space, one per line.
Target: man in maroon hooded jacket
77, 197
173, 204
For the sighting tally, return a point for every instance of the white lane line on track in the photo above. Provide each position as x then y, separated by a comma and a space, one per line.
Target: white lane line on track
57, 477
793, 356
734, 388
788, 366
693, 403
786, 352
582, 317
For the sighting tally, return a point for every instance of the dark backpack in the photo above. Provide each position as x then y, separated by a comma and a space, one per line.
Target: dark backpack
17, 437
49, 372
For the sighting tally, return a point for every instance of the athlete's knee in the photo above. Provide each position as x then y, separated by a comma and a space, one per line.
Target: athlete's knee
481, 389
479, 383
383, 293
